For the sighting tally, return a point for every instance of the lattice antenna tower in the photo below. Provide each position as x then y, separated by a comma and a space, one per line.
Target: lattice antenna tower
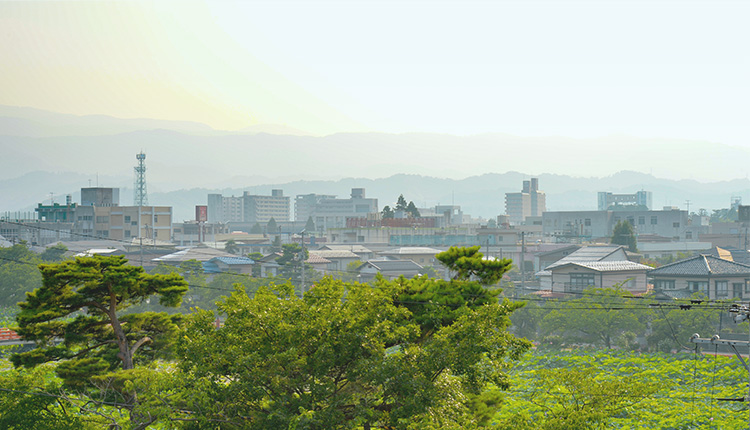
140, 197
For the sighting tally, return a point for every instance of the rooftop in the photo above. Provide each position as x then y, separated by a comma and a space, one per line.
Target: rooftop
702, 265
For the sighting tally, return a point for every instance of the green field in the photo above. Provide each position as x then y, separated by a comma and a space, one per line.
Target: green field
685, 387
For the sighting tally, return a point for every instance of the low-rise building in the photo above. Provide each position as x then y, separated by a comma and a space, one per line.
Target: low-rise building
715, 277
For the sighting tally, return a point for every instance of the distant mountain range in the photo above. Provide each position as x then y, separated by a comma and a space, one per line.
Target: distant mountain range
46, 152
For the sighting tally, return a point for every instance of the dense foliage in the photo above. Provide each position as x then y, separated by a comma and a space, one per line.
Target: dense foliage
592, 389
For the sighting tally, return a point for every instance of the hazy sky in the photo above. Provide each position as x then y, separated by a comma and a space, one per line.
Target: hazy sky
575, 68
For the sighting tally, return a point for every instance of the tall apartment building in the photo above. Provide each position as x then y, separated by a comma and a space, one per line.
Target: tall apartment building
641, 199
330, 212
261, 209
529, 202
225, 209
248, 208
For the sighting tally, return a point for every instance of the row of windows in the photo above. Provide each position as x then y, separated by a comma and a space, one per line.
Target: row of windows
722, 287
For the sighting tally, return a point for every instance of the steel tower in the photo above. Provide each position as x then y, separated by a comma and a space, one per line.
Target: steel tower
140, 198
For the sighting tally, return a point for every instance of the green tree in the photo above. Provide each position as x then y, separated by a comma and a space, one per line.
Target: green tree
672, 327
231, 247
292, 264
578, 398
401, 204
349, 356
387, 212
18, 274
412, 210
54, 253
272, 227
602, 316
256, 229
623, 235
468, 263
310, 226
76, 317
276, 245
23, 404
256, 257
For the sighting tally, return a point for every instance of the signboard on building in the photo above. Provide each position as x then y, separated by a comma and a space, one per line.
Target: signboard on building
201, 213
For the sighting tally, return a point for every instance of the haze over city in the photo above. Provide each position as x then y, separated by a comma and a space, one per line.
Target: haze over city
371, 89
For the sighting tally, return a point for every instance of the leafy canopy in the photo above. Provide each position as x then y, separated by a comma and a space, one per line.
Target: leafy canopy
75, 316
402, 353
468, 263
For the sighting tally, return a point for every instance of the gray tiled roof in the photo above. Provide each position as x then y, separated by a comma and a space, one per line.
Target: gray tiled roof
611, 266
393, 265
586, 254
702, 265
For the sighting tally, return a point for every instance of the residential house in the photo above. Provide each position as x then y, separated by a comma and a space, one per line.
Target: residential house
573, 277
389, 269
420, 255
715, 277
239, 265
586, 254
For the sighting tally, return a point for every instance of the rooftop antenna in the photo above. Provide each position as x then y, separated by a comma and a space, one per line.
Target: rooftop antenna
140, 197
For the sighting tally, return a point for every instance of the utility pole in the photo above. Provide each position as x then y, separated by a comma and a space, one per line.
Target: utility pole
740, 313
523, 260
302, 266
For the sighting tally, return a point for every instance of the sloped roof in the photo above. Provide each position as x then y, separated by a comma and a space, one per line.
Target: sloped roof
232, 261
570, 248
316, 259
702, 265
587, 254
352, 248
334, 254
392, 265
609, 266
412, 250
200, 254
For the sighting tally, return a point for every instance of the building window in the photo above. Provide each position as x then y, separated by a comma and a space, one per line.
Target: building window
579, 281
688, 235
698, 286
737, 289
127, 218
676, 224
102, 219
664, 284
641, 220
587, 222
722, 289
654, 220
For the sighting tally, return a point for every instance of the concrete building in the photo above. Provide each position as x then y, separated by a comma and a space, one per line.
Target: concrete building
100, 196
529, 202
329, 212
248, 208
127, 222
261, 209
574, 226
305, 204
608, 201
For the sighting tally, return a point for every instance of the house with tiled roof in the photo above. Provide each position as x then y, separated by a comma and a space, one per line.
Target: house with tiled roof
715, 277
423, 256
241, 265
601, 266
389, 269
338, 259
574, 277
